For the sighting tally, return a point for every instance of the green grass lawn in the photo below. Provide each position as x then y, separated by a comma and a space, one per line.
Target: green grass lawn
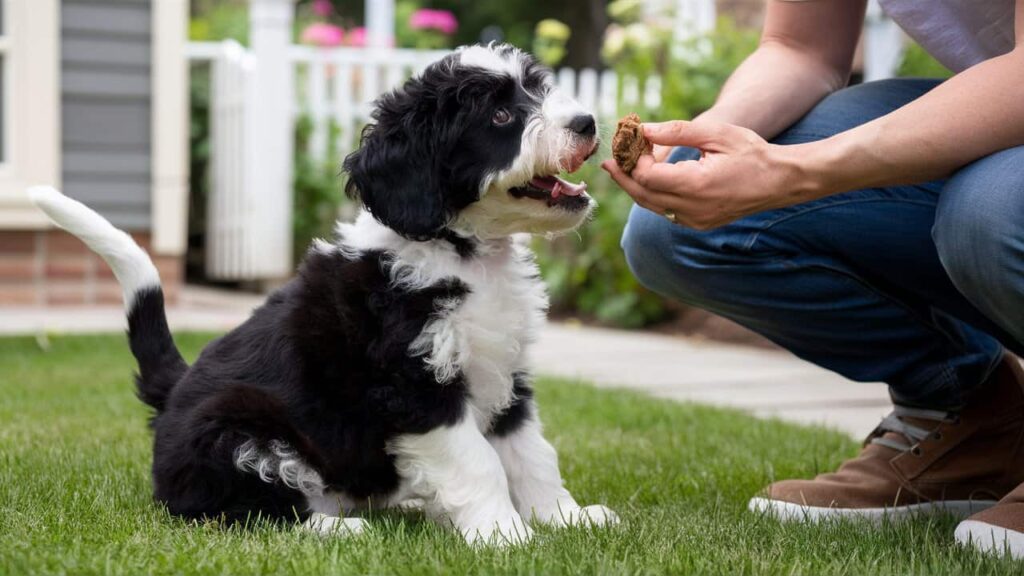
75, 493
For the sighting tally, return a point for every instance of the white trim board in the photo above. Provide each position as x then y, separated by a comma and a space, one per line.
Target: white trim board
33, 99
170, 127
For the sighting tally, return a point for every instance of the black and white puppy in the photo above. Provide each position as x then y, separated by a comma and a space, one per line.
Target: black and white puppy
394, 367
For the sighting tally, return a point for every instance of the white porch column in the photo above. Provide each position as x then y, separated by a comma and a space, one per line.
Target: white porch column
380, 23
170, 127
32, 125
272, 129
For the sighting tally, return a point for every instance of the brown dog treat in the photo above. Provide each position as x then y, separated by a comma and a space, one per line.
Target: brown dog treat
629, 143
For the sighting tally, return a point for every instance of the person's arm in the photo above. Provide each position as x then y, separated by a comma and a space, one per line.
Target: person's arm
971, 115
806, 52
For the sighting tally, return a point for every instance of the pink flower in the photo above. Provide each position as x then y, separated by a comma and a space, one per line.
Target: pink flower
322, 34
441, 20
322, 8
357, 36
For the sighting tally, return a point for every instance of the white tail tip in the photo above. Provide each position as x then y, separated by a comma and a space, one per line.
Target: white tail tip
44, 195
132, 266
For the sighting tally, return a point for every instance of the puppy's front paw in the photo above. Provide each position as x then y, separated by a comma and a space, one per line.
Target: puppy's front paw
596, 515
505, 532
325, 525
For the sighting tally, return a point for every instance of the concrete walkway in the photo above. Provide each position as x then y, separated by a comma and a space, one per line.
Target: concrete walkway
766, 383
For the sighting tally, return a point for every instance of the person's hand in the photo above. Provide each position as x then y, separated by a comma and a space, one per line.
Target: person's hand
738, 174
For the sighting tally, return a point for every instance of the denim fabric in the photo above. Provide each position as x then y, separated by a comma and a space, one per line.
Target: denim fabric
916, 286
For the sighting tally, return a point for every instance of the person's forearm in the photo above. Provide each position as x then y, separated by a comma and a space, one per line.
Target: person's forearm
773, 88
975, 113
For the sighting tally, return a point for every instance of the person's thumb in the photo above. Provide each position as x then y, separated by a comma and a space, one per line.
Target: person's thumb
683, 133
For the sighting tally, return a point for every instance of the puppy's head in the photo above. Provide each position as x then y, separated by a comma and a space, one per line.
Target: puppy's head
475, 144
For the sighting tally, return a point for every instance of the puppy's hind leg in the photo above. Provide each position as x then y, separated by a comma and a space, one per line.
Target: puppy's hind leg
279, 463
235, 456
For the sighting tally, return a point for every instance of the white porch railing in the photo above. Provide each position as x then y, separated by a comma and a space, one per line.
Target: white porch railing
236, 222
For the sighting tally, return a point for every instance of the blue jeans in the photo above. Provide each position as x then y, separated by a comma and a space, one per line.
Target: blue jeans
918, 286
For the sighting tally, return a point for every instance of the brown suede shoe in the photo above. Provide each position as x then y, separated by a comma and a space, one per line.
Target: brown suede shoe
921, 461
998, 529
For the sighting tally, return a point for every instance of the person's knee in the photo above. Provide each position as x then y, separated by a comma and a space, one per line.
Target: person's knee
646, 245
669, 259
977, 230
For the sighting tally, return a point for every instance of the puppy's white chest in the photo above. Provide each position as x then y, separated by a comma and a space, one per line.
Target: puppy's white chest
483, 338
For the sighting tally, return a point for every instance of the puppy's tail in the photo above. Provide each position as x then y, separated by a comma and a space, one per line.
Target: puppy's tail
160, 363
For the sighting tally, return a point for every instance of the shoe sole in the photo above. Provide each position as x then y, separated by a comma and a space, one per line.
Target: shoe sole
791, 512
990, 538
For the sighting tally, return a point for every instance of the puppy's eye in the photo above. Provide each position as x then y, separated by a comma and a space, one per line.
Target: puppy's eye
501, 117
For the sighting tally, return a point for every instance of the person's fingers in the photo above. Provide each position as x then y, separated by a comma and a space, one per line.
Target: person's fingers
653, 200
638, 193
661, 153
662, 177
683, 133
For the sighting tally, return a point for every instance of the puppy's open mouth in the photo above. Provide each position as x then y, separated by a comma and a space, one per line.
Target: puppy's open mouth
549, 187
554, 191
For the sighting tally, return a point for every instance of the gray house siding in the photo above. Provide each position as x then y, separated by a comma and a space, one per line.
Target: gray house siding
106, 102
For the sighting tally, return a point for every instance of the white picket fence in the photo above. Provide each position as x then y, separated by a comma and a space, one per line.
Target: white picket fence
338, 86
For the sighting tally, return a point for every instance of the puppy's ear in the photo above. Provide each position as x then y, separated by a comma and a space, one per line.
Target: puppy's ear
396, 172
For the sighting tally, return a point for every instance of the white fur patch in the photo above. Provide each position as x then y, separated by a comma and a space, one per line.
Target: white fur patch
442, 344
483, 336
489, 59
321, 246
280, 462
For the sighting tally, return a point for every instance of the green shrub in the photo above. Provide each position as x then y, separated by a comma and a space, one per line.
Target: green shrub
691, 83
199, 161
919, 64
318, 187
216, 21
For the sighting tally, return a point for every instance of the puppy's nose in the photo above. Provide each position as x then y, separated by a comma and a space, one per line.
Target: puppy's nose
583, 125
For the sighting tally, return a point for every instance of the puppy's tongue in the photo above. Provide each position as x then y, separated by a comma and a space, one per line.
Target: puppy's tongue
558, 187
